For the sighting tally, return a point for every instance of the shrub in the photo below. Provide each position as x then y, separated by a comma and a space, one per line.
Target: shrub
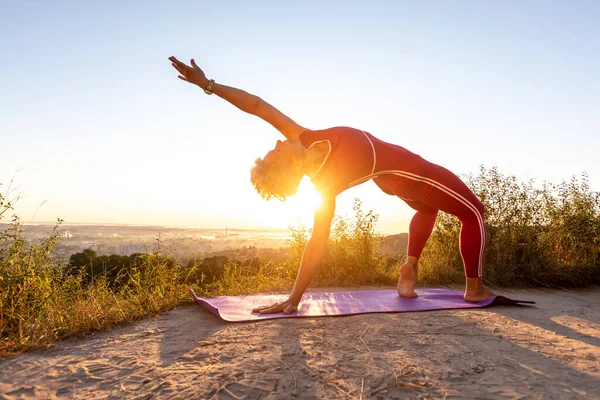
545, 235
352, 256
42, 301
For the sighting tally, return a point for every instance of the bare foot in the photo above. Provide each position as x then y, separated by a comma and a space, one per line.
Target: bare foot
480, 295
408, 280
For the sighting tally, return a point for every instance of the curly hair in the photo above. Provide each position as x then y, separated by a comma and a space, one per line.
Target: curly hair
276, 176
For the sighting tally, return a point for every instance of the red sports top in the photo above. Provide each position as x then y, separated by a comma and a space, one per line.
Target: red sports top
356, 156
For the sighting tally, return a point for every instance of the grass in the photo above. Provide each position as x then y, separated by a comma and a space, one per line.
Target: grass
537, 235
545, 235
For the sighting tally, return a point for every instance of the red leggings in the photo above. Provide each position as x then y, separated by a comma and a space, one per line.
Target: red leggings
446, 192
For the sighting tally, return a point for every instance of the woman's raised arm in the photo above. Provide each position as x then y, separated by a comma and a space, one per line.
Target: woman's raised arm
243, 100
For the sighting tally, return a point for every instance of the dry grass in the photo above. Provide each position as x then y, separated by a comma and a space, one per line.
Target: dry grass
539, 236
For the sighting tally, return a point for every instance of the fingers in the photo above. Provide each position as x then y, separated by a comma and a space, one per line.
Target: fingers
285, 307
177, 62
273, 309
259, 309
181, 70
194, 63
179, 66
182, 78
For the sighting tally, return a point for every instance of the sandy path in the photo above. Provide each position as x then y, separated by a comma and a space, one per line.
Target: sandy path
548, 352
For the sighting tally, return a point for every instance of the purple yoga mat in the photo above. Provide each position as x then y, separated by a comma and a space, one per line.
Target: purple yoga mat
239, 308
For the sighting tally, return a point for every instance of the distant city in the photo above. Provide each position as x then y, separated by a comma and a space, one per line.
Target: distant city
179, 243
182, 242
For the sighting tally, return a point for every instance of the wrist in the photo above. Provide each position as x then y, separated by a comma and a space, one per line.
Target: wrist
202, 82
208, 86
294, 299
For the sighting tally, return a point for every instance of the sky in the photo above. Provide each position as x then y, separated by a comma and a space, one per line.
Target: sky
95, 127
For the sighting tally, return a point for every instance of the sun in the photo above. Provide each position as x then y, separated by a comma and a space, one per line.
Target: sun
297, 209
306, 200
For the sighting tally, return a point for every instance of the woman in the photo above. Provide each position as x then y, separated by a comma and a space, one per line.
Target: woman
338, 158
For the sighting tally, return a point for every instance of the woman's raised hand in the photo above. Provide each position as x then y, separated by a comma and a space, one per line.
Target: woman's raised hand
189, 74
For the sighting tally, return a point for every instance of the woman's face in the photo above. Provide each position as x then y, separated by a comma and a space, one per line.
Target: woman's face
287, 149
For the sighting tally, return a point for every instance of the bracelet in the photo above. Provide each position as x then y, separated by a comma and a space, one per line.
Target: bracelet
210, 87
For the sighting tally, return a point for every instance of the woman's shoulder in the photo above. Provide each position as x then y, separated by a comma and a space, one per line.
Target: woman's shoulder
309, 136
338, 128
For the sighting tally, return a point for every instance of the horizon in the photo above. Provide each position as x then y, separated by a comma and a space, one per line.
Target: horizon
206, 228
101, 130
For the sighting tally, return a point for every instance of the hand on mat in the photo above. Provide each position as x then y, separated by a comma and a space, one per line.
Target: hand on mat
287, 307
189, 74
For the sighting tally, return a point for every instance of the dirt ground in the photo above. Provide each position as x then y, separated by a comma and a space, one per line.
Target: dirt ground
550, 351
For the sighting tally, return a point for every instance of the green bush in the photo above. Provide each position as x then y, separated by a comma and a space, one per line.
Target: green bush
544, 234
351, 257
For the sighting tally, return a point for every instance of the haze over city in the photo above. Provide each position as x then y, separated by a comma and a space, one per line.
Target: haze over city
95, 123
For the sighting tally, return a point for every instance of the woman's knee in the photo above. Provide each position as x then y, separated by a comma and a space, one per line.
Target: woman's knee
473, 211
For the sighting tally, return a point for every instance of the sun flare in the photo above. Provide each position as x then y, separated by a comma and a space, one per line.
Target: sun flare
300, 207
306, 200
